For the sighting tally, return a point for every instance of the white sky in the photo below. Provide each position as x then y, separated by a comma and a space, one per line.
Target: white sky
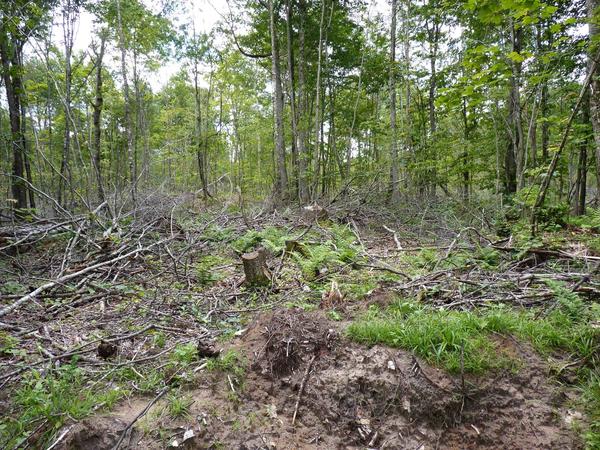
204, 14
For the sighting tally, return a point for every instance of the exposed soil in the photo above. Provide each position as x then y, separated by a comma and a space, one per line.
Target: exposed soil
354, 397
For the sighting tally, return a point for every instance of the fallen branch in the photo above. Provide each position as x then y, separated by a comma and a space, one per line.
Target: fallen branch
65, 278
139, 416
302, 385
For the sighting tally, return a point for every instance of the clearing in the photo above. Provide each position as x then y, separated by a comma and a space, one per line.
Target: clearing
405, 330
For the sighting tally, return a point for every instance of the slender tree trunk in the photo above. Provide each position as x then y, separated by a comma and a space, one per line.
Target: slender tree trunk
593, 12
434, 35
317, 129
302, 110
465, 156
127, 107
96, 119
515, 100
394, 174
11, 75
292, 90
280, 188
579, 193
200, 154
68, 18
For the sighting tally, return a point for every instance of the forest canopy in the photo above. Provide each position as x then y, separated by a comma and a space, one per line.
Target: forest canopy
297, 100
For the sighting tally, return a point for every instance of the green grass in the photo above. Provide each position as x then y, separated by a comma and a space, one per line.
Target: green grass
179, 405
53, 398
444, 338
229, 362
441, 336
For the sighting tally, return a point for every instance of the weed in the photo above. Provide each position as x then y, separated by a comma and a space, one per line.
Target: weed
178, 405
441, 336
205, 269
159, 339
53, 398
185, 353
272, 238
229, 362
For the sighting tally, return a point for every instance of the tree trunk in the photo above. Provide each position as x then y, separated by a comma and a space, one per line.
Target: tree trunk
200, 153
127, 107
279, 191
68, 18
515, 101
292, 90
434, 35
11, 75
255, 268
394, 170
593, 11
96, 119
302, 110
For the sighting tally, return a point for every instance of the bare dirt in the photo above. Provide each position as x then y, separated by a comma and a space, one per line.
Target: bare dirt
353, 397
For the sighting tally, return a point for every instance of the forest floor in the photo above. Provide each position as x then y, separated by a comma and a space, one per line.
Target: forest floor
417, 329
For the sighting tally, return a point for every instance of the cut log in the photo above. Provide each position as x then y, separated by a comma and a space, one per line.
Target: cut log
315, 212
255, 268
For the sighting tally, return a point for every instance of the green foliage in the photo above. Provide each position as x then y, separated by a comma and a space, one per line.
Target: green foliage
589, 221
12, 287
205, 269
591, 403
338, 250
179, 405
229, 362
54, 397
272, 238
185, 353
440, 336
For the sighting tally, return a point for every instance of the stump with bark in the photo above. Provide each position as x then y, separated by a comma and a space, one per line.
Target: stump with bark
255, 268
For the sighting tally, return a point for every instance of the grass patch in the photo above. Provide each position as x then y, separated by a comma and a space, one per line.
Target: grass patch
441, 336
229, 362
53, 399
179, 405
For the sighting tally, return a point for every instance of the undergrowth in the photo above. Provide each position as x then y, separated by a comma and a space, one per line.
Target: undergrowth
441, 336
48, 402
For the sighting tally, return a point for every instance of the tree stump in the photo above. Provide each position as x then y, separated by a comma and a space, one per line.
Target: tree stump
315, 212
255, 268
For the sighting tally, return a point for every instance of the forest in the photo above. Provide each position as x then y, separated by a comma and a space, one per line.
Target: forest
288, 224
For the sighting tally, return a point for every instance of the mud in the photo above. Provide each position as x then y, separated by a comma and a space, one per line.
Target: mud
354, 397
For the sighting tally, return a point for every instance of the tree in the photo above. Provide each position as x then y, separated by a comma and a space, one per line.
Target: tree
19, 21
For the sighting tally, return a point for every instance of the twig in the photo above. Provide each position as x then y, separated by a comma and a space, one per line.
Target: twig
70, 276
139, 416
302, 385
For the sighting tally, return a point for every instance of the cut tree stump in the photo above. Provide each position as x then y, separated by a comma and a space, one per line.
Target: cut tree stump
255, 268
315, 212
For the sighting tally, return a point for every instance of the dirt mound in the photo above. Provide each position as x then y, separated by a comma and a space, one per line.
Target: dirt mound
350, 396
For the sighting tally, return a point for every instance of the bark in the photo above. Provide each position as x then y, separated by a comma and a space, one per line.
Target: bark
68, 17
127, 107
318, 96
302, 110
434, 36
200, 153
594, 103
96, 120
515, 102
292, 90
279, 191
579, 191
12, 77
394, 175
465, 156
255, 268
